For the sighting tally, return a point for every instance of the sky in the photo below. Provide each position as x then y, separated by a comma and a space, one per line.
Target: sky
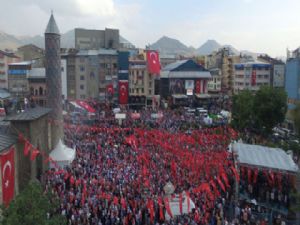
262, 26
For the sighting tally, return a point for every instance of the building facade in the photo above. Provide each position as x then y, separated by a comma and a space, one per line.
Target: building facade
292, 81
5, 59
95, 39
214, 84
277, 70
89, 71
17, 78
141, 83
30, 52
251, 76
224, 60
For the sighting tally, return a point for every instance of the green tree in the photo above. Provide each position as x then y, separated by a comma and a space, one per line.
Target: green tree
296, 118
32, 206
242, 113
269, 108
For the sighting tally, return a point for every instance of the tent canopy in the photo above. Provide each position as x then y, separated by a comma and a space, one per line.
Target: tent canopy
262, 156
62, 155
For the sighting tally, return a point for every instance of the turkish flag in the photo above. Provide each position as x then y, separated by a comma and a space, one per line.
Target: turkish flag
198, 87
8, 175
110, 89
123, 92
153, 62
253, 78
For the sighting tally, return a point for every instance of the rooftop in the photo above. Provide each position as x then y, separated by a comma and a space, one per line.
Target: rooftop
7, 140
262, 156
29, 114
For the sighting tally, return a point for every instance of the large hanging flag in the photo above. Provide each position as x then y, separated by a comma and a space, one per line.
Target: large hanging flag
153, 63
123, 92
8, 175
198, 87
253, 78
110, 89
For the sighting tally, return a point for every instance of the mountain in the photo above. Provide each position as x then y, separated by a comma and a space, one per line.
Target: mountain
170, 46
12, 42
8, 41
208, 47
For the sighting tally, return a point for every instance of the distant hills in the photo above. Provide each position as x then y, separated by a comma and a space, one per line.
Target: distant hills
12, 42
165, 45
170, 46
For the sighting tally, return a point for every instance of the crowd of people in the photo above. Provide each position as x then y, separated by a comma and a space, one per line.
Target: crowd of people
121, 172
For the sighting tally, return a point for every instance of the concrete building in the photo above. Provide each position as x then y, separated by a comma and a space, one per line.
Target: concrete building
31, 52
277, 70
225, 61
89, 71
17, 78
167, 59
5, 59
251, 75
292, 78
95, 39
214, 83
141, 83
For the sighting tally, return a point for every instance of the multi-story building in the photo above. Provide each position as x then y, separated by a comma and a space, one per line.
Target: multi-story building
141, 83
292, 78
214, 83
251, 75
96, 39
17, 78
31, 52
89, 72
26, 79
224, 60
5, 59
277, 70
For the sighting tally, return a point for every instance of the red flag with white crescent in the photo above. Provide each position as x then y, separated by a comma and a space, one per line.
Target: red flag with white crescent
123, 92
110, 89
153, 63
8, 175
198, 87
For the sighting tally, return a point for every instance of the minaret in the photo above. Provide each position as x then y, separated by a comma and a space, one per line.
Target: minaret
53, 80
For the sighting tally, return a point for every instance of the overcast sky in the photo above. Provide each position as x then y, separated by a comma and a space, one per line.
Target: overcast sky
268, 26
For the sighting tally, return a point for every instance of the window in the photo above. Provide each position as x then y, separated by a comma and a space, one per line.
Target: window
82, 87
62, 69
92, 74
81, 77
142, 90
41, 91
82, 68
150, 92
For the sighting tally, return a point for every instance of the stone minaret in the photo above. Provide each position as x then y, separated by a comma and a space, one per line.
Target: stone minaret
53, 80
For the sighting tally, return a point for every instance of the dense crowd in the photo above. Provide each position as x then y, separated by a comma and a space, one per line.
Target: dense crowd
121, 172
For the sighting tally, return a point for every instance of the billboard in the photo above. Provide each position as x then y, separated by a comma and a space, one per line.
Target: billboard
177, 86
189, 84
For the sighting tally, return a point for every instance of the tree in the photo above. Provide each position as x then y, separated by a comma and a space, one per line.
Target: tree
269, 108
296, 118
32, 206
242, 113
